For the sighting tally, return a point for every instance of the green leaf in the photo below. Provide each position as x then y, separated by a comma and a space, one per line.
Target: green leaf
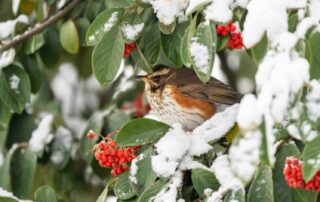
116, 120
171, 44
203, 38
280, 188
107, 56
50, 51
203, 179
123, 189
222, 41
32, 68
261, 188
151, 192
264, 157
23, 167
34, 43
293, 20
69, 37
5, 116
7, 199
235, 195
82, 26
151, 44
103, 195
145, 176
14, 87
311, 155
132, 24
314, 55
185, 44
95, 123
140, 60
45, 194
141, 131
258, 52
97, 29
5, 177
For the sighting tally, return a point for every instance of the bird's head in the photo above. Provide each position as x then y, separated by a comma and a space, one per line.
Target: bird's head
156, 80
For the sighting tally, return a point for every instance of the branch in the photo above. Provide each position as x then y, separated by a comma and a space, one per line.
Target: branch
38, 27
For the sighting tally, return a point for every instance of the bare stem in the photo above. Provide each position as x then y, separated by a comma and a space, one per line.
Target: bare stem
38, 27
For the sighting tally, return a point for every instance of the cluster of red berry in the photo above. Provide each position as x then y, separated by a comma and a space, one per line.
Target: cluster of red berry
128, 48
235, 41
139, 106
110, 156
293, 174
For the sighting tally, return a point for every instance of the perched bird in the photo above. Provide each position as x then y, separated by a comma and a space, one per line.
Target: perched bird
177, 95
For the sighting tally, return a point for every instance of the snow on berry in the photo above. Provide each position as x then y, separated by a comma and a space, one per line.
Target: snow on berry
110, 156
91, 134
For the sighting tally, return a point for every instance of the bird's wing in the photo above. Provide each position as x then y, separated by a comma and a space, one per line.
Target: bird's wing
214, 91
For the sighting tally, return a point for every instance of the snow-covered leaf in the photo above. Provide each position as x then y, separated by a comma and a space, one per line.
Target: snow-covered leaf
45, 193
15, 88
203, 179
141, 174
195, 5
103, 195
311, 159
103, 24
141, 131
235, 195
185, 44
201, 50
258, 51
123, 188
167, 29
7, 57
69, 37
107, 56
6, 196
151, 192
261, 188
131, 28
7, 28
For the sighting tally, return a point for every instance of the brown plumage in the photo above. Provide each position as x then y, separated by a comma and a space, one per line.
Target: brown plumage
177, 95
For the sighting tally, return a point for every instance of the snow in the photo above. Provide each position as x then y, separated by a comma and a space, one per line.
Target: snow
242, 3
249, 116
111, 22
169, 193
7, 57
219, 11
42, 135
195, 4
168, 10
132, 31
5, 193
134, 168
14, 83
245, 85
244, 155
111, 199
7, 28
61, 3
15, 6
305, 25
313, 101
200, 55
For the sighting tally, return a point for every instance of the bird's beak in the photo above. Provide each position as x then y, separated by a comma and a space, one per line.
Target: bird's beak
141, 77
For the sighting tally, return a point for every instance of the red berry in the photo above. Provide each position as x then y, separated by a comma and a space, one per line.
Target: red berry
91, 134
128, 49
235, 41
123, 159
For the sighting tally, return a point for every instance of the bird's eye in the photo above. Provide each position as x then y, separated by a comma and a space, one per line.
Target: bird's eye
156, 78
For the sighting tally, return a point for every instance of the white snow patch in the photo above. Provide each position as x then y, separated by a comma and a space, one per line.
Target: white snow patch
168, 10
14, 83
62, 145
7, 57
7, 28
111, 21
134, 168
42, 135
132, 31
61, 3
249, 116
313, 101
219, 11
15, 6
200, 55
195, 4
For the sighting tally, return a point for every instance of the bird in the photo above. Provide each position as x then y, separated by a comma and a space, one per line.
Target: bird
177, 95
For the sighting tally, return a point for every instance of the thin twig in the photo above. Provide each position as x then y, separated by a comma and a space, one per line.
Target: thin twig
38, 27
